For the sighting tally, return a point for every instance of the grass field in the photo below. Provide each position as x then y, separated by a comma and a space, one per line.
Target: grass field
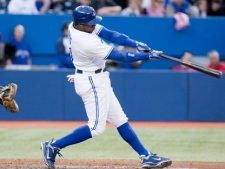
180, 144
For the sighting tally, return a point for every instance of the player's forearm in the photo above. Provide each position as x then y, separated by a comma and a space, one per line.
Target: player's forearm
117, 38
127, 57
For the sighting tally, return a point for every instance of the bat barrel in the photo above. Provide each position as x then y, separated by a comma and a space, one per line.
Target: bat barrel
208, 71
194, 66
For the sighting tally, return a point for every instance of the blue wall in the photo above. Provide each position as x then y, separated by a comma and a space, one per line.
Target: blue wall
144, 95
206, 95
202, 35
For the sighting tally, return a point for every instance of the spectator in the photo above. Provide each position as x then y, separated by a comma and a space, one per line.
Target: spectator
177, 6
22, 7
7, 51
68, 5
214, 61
106, 7
123, 4
146, 3
156, 8
199, 9
22, 55
62, 47
82, 2
43, 6
57, 6
215, 8
142, 10
131, 9
3, 5
187, 57
167, 2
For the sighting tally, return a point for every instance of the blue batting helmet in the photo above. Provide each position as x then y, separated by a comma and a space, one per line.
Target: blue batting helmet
85, 15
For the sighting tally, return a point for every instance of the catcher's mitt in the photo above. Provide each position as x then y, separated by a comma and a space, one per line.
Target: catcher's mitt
7, 94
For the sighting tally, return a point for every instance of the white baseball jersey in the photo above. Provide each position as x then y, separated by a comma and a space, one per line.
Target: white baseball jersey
88, 51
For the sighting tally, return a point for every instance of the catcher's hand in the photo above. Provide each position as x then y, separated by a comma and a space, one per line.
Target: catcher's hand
7, 94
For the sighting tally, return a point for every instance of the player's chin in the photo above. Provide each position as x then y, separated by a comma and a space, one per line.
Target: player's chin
91, 30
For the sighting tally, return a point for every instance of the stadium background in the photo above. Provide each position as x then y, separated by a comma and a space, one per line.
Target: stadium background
189, 105
152, 93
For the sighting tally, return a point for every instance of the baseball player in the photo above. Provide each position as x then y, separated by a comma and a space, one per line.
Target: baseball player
92, 84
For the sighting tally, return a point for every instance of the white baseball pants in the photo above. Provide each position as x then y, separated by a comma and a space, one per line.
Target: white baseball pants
100, 101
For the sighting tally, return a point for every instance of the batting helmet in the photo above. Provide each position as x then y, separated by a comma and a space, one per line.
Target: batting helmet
85, 15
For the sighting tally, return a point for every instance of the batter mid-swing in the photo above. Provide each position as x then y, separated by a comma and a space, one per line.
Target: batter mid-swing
93, 85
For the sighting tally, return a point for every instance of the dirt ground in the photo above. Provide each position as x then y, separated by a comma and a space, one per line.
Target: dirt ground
102, 164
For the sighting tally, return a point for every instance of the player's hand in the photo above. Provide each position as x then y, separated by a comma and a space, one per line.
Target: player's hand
155, 54
142, 47
70, 78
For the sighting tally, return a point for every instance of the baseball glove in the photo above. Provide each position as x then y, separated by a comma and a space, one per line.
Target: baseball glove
7, 94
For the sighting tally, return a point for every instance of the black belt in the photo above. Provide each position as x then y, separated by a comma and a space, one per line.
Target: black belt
97, 71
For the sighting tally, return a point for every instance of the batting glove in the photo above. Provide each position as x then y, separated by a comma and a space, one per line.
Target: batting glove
70, 78
155, 54
142, 47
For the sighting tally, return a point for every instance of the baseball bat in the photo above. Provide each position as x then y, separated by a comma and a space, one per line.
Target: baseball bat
194, 66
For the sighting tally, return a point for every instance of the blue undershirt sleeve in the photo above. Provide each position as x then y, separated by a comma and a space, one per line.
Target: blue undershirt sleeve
127, 57
116, 37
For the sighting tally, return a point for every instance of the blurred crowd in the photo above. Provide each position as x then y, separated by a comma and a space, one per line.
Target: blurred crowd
154, 8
